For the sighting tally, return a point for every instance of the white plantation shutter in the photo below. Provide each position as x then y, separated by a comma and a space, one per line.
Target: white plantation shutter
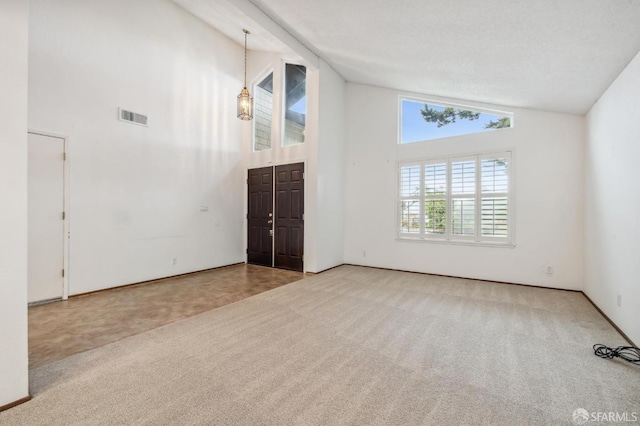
409, 204
494, 210
435, 179
495, 217
463, 177
463, 217
457, 199
463, 198
435, 198
410, 181
495, 177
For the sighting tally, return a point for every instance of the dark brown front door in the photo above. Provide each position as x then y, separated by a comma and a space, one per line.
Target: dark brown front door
280, 226
260, 217
289, 221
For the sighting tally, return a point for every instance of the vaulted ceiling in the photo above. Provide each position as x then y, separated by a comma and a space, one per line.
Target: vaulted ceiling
556, 55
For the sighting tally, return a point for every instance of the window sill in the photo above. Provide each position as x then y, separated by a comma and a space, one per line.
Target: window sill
457, 242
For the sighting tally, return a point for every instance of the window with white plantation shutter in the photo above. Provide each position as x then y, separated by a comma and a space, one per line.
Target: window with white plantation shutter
464, 199
435, 198
410, 188
494, 215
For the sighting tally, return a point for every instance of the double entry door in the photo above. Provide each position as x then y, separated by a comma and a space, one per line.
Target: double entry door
276, 216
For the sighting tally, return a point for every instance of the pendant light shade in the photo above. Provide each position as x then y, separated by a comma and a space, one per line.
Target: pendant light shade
245, 101
245, 105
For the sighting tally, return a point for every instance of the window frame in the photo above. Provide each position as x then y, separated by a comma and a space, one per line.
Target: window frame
283, 100
255, 83
448, 237
445, 104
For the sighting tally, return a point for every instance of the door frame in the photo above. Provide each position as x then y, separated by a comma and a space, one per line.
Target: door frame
66, 203
274, 164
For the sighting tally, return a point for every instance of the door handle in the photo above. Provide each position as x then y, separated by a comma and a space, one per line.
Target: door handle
271, 232
269, 221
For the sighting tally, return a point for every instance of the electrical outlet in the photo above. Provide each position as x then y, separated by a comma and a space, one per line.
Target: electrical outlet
174, 261
548, 270
619, 300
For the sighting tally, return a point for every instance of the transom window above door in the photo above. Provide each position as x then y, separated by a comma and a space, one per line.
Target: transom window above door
295, 99
263, 113
289, 122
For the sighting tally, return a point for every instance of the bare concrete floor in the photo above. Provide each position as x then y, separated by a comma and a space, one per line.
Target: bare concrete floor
60, 329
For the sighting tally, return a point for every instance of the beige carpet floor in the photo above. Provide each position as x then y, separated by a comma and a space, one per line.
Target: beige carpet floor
351, 346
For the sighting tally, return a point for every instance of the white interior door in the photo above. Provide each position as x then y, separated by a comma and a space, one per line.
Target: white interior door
46, 222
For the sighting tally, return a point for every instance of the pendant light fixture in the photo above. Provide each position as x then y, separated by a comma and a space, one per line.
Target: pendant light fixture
245, 101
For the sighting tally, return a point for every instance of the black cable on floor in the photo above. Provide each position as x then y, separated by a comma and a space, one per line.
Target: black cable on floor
628, 353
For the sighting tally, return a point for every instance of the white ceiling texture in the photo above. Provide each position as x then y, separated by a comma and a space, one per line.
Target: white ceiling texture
230, 21
555, 55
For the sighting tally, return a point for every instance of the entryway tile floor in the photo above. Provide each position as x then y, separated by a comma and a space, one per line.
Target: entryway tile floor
58, 330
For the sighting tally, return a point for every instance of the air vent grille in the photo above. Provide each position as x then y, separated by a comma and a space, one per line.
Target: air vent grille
132, 117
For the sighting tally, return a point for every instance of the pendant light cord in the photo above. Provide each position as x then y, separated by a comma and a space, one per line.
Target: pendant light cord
245, 57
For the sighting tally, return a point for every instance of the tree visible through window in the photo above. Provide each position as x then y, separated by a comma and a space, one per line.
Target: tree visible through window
435, 203
422, 121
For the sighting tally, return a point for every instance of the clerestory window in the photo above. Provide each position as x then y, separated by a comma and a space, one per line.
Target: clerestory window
424, 120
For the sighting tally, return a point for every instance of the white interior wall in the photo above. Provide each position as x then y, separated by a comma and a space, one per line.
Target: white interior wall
612, 201
14, 26
548, 194
136, 192
332, 132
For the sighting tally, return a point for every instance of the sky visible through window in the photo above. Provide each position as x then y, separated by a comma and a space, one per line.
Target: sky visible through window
414, 128
300, 106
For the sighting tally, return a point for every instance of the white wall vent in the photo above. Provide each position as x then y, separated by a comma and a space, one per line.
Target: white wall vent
132, 117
